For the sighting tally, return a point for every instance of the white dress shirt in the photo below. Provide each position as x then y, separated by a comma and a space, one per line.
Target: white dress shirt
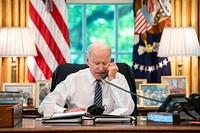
77, 90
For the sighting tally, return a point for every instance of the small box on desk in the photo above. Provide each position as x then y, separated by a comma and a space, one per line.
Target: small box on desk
10, 113
163, 117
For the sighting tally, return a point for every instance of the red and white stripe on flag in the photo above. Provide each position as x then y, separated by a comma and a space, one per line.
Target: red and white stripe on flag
141, 23
51, 37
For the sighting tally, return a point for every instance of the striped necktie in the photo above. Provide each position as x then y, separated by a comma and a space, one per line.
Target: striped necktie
98, 94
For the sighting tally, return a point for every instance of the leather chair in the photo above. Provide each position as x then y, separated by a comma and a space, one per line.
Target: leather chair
64, 69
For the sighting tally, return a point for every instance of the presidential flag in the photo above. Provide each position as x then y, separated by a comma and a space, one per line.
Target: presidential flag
48, 23
150, 20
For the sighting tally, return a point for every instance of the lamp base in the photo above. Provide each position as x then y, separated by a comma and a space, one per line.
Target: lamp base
14, 67
180, 64
180, 69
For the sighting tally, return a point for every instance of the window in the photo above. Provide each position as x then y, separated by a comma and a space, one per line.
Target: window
112, 23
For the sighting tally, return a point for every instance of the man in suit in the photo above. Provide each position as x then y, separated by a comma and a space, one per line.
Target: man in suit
78, 89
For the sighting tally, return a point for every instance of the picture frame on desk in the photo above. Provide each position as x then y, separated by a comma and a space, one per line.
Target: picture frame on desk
154, 91
139, 100
28, 89
138, 82
42, 90
177, 84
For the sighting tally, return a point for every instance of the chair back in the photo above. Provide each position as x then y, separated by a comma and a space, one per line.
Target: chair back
63, 70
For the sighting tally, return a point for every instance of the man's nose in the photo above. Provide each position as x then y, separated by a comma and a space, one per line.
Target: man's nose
101, 67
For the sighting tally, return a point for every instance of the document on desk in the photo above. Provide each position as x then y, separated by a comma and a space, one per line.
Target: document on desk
68, 115
115, 116
119, 111
69, 120
113, 119
65, 117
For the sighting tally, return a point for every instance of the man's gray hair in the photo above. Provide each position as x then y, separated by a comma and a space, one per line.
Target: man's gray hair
98, 45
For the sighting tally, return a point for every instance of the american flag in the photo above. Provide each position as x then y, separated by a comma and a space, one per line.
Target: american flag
48, 23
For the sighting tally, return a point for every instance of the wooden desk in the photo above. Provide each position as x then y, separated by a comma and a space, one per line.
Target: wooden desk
142, 126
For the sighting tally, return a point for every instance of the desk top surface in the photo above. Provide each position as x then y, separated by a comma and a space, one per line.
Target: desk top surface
33, 125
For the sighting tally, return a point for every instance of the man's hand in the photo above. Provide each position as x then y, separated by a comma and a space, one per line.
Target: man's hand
112, 71
75, 110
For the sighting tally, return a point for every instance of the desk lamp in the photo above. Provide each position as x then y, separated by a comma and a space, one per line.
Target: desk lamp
16, 42
178, 42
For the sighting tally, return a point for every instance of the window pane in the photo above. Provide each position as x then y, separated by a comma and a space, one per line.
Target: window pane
100, 24
126, 28
77, 58
127, 58
75, 27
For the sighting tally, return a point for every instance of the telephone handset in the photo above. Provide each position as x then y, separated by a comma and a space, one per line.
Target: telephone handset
105, 74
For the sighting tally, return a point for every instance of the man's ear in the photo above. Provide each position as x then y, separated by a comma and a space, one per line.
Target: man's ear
87, 60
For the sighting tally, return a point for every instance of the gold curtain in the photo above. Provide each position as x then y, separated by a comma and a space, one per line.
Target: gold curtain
13, 13
186, 13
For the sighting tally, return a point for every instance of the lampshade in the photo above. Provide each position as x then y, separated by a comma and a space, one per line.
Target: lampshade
16, 41
179, 41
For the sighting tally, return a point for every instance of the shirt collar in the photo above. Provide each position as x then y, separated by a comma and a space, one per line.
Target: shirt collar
91, 77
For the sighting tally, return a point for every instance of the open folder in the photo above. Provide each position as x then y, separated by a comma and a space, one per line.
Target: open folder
65, 117
109, 118
74, 117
